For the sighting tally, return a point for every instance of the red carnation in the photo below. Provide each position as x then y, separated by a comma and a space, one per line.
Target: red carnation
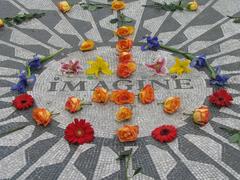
221, 98
165, 133
80, 131
23, 101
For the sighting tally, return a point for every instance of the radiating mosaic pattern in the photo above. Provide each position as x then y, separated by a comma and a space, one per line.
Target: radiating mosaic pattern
35, 152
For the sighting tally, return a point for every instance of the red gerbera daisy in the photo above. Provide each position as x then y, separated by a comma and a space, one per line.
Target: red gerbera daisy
80, 131
221, 98
165, 133
23, 101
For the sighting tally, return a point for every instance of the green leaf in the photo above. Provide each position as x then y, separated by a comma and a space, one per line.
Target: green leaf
236, 20
235, 138
138, 170
36, 15
167, 7
84, 6
124, 154
92, 7
127, 19
114, 21
90, 77
20, 18
230, 131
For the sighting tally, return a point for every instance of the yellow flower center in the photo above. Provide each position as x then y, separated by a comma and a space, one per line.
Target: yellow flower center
79, 133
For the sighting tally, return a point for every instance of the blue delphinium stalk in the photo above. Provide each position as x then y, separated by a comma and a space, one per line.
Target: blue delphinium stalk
24, 82
26, 78
152, 44
199, 61
219, 80
35, 63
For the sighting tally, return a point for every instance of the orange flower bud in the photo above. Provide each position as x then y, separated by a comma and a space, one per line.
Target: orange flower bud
118, 5
124, 70
100, 95
64, 6
87, 45
124, 45
123, 114
171, 104
192, 6
122, 97
125, 57
128, 133
1, 23
124, 31
201, 115
73, 104
146, 95
42, 116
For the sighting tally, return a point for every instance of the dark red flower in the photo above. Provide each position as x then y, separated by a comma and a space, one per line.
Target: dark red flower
165, 133
221, 98
23, 101
79, 132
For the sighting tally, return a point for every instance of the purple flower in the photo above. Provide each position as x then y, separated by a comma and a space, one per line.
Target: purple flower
199, 61
23, 82
219, 80
35, 63
152, 44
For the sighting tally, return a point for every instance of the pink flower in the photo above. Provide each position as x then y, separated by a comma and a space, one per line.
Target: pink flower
159, 66
71, 67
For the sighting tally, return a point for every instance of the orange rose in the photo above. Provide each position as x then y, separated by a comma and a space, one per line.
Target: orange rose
100, 95
1, 23
128, 133
146, 95
124, 70
171, 104
201, 115
124, 45
42, 116
73, 104
118, 5
122, 97
125, 57
123, 114
64, 6
124, 31
87, 45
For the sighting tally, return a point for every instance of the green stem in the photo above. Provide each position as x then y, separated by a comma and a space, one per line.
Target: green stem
171, 49
188, 114
149, 5
46, 58
55, 114
180, 3
28, 71
127, 164
100, 3
212, 71
87, 104
160, 103
230, 131
232, 17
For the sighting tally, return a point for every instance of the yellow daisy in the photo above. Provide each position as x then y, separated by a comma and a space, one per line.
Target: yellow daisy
180, 67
